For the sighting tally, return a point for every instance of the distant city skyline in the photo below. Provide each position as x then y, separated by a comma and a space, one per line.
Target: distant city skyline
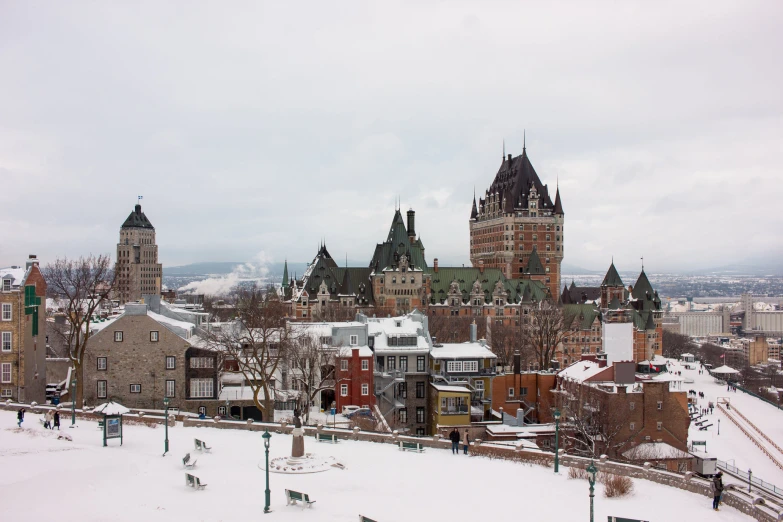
267, 128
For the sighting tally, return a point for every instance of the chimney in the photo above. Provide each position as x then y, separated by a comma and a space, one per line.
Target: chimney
509, 157
517, 362
435, 265
411, 222
473, 331
32, 260
481, 266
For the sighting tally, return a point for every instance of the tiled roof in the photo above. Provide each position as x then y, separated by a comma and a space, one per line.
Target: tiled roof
137, 219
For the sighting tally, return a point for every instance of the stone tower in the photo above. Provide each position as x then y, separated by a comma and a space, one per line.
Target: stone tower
516, 219
138, 270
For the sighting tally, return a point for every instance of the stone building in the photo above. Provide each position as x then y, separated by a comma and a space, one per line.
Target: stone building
515, 218
141, 357
138, 270
23, 333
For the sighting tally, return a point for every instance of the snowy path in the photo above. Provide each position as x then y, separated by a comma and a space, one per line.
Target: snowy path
732, 445
134, 482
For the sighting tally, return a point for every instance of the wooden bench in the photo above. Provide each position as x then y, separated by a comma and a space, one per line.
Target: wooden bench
362, 518
411, 446
193, 481
187, 463
325, 437
292, 497
201, 445
704, 428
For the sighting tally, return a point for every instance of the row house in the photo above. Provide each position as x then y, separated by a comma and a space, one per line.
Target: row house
22, 325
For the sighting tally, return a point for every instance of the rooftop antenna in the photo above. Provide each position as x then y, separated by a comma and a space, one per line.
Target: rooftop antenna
524, 139
642, 263
503, 157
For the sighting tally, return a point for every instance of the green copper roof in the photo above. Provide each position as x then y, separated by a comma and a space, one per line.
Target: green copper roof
534, 266
285, 274
518, 290
387, 254
583, 315
612, 278
137, 219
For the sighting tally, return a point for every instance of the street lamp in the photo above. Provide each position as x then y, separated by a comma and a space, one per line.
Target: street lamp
266, 436
592, 470
750, 478
73, 403
166, 445
718, 426
556, 414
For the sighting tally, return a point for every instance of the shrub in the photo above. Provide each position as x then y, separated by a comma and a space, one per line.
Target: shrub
577, 473
616, 485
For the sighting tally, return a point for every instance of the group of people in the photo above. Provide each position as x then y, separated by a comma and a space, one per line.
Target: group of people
454, 436
51, 419
731, 387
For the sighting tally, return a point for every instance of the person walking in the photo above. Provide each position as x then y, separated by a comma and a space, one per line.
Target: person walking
56, 420
467, 441
454, 437
48, 418
717, 490
20, 417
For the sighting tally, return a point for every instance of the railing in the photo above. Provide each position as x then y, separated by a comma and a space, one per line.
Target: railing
740, 388
755, 481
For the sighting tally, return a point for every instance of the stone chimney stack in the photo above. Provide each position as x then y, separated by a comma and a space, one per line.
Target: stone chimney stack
435, 265
481, 266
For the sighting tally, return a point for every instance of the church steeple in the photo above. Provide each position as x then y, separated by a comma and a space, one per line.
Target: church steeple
285, 275
474, 212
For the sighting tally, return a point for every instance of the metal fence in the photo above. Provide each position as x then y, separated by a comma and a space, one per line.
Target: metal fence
755, 481
740, 388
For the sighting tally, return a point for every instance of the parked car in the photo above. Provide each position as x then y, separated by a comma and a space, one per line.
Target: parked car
361, 412
349, 409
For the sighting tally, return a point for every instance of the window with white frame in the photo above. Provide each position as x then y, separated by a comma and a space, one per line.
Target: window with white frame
171, 362
6, 285
202, 410
365, 365
117, 337
365, 389
344, 365
511, 392
202, 388
7, 307
454, 366
354, 340
6, 392
221, 410
202, 362
403, 415
102, 364
154, 336
5, 372
135, 388
171, 388
470, 366
101, 389
7, 341
344, 390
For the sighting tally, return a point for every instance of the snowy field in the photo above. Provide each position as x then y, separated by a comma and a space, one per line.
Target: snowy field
87, 482
732, 445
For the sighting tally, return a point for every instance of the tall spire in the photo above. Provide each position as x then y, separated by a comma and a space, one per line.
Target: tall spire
558, 210
523, 141
285, 274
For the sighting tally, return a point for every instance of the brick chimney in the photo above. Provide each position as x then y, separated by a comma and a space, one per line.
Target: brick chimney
435, 265
32, 260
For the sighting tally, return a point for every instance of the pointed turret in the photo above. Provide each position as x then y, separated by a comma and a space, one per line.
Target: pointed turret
558, 205
534, 266
612, 278
285, 275
474, 212
643, 289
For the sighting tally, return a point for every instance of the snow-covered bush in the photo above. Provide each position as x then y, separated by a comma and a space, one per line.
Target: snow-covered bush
616, 485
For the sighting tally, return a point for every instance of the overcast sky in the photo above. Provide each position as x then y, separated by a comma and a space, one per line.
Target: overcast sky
255, 128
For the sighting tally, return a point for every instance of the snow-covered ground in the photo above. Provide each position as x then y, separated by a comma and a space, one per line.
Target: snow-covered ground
732, 445
45, 478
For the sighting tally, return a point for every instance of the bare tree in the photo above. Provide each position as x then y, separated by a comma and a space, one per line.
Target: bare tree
543, 331
257, 342
456, 329
504, 340
312, 364
674, 344
594, 419
81, 287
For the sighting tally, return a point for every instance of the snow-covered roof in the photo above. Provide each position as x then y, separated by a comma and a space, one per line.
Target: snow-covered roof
580, 371
466, 350
111, 408
239, 393
655, 451
667, 377
529, 430
172, 322
364, 351
14, 273
724, 370
446, 388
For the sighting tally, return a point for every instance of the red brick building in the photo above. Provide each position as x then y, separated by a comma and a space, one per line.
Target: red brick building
354, 385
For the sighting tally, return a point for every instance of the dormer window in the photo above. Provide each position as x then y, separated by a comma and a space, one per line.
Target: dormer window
6, 285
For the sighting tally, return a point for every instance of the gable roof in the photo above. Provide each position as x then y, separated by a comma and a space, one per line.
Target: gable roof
513, 181
137, 219
534, 266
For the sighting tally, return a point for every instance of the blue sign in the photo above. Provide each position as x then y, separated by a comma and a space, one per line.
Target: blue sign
334, 411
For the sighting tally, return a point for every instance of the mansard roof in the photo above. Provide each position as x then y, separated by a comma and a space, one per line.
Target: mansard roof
517, 290
580, 294
581, 315
398, 242
514, 180
612, 278
137, 219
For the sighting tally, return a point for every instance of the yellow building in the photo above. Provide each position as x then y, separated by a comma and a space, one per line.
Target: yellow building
449, 406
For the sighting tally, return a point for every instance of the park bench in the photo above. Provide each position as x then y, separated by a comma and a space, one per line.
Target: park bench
201, 445
704, 428
325, 437
187, 463
362, 518
292, 497
193, 481
621, 519
411, 446
699, 423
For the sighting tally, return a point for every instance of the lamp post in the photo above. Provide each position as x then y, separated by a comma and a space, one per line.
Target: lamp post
750, 478
592, 470
73, 403
718, 426
266, 436
556, 414
166, 444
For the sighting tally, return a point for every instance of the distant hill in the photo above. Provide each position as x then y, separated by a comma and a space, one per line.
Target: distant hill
196, 269
565, 268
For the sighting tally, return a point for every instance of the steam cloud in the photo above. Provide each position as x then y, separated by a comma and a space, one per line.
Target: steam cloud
256, 270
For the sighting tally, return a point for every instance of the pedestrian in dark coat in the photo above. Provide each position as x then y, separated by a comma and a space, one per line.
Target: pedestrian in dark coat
20, 417
717, 490
467, 441
56, 420
454, 437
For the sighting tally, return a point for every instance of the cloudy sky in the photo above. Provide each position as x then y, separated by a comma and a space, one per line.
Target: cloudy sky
253, 127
